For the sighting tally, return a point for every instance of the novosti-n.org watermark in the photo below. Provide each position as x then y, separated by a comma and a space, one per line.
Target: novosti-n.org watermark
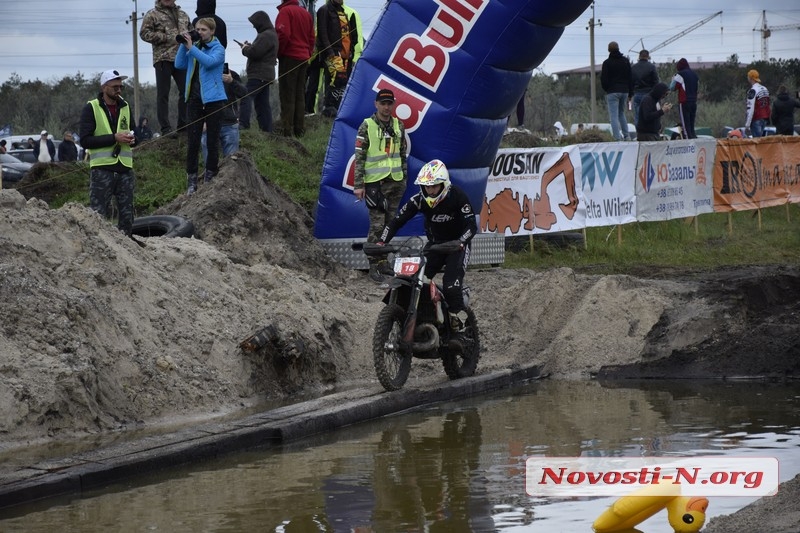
619, 476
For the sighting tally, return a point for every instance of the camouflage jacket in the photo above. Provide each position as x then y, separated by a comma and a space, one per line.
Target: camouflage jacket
160, 26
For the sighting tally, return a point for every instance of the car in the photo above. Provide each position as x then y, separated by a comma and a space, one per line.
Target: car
13, 169
23, 154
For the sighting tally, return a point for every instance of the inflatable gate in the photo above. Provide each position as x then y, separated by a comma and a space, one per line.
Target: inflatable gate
457, 69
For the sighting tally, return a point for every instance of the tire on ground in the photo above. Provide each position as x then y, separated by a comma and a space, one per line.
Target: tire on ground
163, 226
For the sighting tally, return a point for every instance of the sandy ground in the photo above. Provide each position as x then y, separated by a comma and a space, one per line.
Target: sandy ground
100, 334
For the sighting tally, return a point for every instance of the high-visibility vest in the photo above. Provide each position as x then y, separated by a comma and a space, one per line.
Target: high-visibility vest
379, 163
102, 157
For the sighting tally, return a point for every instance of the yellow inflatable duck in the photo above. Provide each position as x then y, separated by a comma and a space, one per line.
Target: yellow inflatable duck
685, 514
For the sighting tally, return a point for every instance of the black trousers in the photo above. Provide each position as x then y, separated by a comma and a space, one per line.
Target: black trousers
165, 73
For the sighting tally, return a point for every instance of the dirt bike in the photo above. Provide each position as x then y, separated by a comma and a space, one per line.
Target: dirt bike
416, 322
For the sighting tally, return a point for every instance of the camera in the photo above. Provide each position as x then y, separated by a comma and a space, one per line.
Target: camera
193, 34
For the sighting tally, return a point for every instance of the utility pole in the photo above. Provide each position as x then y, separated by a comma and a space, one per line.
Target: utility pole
590, 27
134, 25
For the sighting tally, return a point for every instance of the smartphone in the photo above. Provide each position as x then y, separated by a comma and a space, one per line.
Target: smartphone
237, 42
225, 69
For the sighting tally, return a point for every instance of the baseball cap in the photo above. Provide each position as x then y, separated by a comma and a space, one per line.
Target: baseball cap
753, 75
109, 75
385, 95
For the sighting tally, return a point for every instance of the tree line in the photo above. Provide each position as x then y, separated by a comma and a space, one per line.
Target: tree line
31, 106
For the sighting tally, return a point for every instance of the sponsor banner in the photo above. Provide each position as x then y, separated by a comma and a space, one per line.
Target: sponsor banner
533, 190
756, 173
658, 476
673, 180
607, 182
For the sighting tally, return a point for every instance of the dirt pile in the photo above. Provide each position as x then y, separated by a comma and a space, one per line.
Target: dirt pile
99, 334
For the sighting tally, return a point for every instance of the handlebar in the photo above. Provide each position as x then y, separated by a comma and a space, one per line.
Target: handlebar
411, 246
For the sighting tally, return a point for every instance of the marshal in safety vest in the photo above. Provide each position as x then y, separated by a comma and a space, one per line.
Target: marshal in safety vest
102, 157
383, 156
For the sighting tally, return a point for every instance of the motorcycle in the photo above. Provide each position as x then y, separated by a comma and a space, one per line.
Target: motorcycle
416, 321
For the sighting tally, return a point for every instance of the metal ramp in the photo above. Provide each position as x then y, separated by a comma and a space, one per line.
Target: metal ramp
487, 249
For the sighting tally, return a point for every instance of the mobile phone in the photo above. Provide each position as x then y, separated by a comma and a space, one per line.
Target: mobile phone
237, 42
225, 69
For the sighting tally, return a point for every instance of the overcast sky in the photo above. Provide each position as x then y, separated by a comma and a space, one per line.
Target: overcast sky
48, 39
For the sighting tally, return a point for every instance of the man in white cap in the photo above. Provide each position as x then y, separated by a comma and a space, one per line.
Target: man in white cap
106, 132
44, 151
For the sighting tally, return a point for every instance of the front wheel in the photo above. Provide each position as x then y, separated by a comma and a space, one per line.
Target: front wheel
392, 364
460, 356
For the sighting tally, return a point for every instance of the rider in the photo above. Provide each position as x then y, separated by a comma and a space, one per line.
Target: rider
448, 217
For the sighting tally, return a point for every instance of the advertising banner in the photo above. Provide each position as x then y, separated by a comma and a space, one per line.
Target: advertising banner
607, 182
674, 179
533, 190
756, 173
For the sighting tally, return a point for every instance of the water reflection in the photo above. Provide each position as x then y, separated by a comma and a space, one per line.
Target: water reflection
453, 467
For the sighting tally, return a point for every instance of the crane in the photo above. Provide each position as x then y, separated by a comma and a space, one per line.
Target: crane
766, 31
679, 35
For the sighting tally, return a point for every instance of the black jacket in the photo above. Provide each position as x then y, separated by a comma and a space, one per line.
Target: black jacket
650, 111
329, 30
783, 114
615, 77
235, 91
644, 76
67, 151
452, 219
206, 9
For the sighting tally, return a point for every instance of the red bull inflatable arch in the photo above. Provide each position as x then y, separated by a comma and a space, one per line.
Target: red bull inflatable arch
457, 69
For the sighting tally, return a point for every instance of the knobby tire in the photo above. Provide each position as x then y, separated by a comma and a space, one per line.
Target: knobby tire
462, 365
392, 365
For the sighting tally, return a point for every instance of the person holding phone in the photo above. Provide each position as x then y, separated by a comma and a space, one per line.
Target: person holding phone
261, 56
648, 127
205, 97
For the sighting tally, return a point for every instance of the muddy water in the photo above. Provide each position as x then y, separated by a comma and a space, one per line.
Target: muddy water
451, 467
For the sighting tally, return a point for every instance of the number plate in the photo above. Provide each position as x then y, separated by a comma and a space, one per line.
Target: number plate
406, 266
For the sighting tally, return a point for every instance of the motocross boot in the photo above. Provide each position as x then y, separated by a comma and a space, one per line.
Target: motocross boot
192, 181
385, 268
375, 275
458, 321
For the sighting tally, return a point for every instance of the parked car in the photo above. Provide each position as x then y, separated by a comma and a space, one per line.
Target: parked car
23, 154
13, 169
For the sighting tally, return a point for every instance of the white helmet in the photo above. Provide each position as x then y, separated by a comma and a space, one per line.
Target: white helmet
432, 173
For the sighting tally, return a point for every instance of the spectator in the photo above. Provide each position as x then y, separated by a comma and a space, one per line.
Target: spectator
3, 149
615, 78
44, 151
208, 9
67, 151
205, 97
650, 112
143, 131
380, 172
686, 82
229, 128
160, 26
295, 28
644, 77
783, 112
758, 109
31, 144
261, 58
106, 133
338, 43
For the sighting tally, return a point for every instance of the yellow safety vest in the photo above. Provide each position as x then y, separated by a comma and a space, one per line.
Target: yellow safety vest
379, 163
102, 157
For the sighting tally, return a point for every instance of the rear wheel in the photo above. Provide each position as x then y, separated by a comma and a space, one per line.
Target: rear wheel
460, 358
392, 364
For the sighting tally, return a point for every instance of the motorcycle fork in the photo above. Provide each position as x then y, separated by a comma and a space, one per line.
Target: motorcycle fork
411, 315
